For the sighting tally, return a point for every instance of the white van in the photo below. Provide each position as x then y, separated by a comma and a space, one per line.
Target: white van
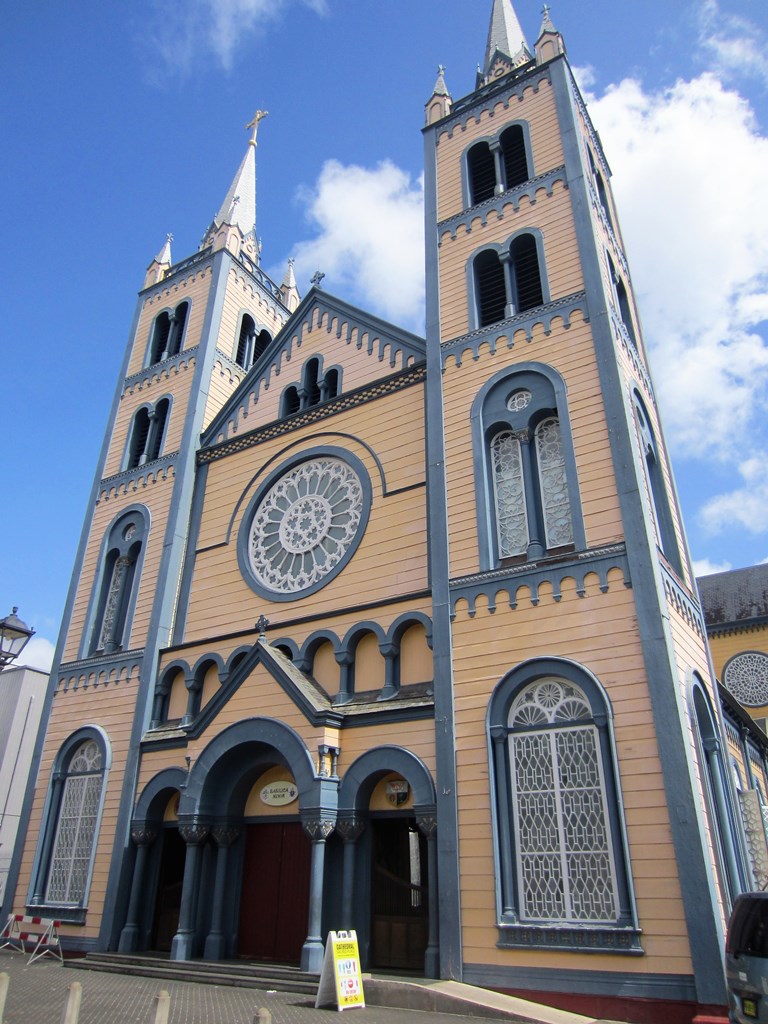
746, 959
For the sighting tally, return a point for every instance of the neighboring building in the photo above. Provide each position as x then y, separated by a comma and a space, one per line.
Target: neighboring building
372, 632
22, 698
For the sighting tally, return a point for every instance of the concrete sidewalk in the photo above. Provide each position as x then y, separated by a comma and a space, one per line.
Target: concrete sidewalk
37, 994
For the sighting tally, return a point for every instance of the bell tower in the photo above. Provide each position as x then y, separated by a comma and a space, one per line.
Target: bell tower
572, 682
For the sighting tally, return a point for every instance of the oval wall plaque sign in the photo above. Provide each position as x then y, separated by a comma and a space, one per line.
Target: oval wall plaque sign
278, 794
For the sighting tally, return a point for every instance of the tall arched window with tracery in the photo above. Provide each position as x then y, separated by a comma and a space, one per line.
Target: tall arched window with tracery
560, 851
116, 584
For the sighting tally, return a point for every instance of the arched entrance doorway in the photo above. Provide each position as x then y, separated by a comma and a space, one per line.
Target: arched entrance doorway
399, 894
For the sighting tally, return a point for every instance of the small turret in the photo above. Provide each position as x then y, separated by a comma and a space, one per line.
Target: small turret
439, 103
288, 289
160, 265
550, 43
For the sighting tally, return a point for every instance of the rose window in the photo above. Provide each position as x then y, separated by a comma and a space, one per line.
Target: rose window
305, 524
746, 677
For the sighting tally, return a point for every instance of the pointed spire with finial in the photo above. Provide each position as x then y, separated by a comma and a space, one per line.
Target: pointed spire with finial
289, 289
161, 264
505, 39
239, 206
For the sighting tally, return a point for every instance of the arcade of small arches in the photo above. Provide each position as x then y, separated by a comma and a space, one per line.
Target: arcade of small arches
350, 851
368, 660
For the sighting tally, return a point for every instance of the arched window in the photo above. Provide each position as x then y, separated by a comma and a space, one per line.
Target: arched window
168, 333
481, 167
311, 384
661, 512
509, 282
331, 384
290, 401
316, 386
147, 434
251, 342
497, 165
69, 833
116, 585
515, 158
621, 300
560, 852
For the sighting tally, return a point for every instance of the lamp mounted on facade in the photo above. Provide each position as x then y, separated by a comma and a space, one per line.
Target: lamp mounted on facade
14, 636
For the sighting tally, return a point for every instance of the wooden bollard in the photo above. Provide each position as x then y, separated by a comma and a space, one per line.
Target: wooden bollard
263, 1016
72, 1009
161, 1008
3, 993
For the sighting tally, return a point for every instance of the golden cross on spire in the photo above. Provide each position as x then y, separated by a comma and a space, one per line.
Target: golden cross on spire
255, 124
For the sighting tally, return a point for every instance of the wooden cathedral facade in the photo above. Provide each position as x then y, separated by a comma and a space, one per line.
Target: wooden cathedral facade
401, 635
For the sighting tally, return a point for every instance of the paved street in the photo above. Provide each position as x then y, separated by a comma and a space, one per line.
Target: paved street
38, 994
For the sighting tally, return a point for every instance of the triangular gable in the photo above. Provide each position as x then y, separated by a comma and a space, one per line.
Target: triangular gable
308, 697
394, 348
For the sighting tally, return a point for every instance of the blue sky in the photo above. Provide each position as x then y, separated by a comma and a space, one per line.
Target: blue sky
122, 122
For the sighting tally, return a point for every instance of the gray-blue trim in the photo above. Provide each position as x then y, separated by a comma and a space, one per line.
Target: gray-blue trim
495, 137
619, 984
380, 338
495, 205
508, 91
244, 533
365, 771
486, 420
157, 371
190, 555
699, 900
147, 357
499, 248
153, 799
445, 731
471, 343
161, 620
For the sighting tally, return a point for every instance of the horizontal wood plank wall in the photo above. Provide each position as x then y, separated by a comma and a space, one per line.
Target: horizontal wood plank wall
111, 708
158, 494
551, 215
225, 379
243, 295
572, 352
486, 647
391, 558
194, 288
536, 107
176, 384
328, 339
725, 645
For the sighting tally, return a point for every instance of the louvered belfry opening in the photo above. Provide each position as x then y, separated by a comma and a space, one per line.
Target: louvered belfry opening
482, 173
525, 260
263, 338
245, 342
515, 158
139, 437
160, 337
489, 288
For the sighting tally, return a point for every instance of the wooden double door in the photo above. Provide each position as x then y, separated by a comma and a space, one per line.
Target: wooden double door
274, 906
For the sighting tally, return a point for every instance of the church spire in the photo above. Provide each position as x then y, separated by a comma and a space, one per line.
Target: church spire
505, 37
239, 206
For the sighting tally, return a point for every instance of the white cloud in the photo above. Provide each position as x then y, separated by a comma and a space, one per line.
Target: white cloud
734, 46
38, 654
370, 239
746, 506
187, 32
703, 567
690, 169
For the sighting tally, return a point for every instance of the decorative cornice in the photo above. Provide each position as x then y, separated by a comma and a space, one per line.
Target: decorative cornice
267, 284
179, 268
579, 940
531, 575
511, 87
630, 350
495, 205
100, 670
686, 606
594, 138
601, 215
132, 479
563, 308
350, 400
183, 360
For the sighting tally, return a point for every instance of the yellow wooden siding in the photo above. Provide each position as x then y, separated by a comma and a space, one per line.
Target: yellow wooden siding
416, 664
193, 288
536, 107
725, 646
157, 495
391, 558
488, 646
572, 351
369, 665
111, 709
551, 214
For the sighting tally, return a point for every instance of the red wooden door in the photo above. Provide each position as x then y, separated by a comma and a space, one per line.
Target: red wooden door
274, 906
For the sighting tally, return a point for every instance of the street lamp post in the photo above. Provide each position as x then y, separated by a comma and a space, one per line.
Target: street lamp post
14, 637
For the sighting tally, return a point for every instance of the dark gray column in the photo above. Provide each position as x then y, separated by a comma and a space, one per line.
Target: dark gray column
143, 838
312, 951
183, 941
350, 830
504, 825
224, 836
428, 828
531, 487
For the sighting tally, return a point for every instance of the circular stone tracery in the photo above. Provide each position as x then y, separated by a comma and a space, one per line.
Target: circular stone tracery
746, 677
305, 524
